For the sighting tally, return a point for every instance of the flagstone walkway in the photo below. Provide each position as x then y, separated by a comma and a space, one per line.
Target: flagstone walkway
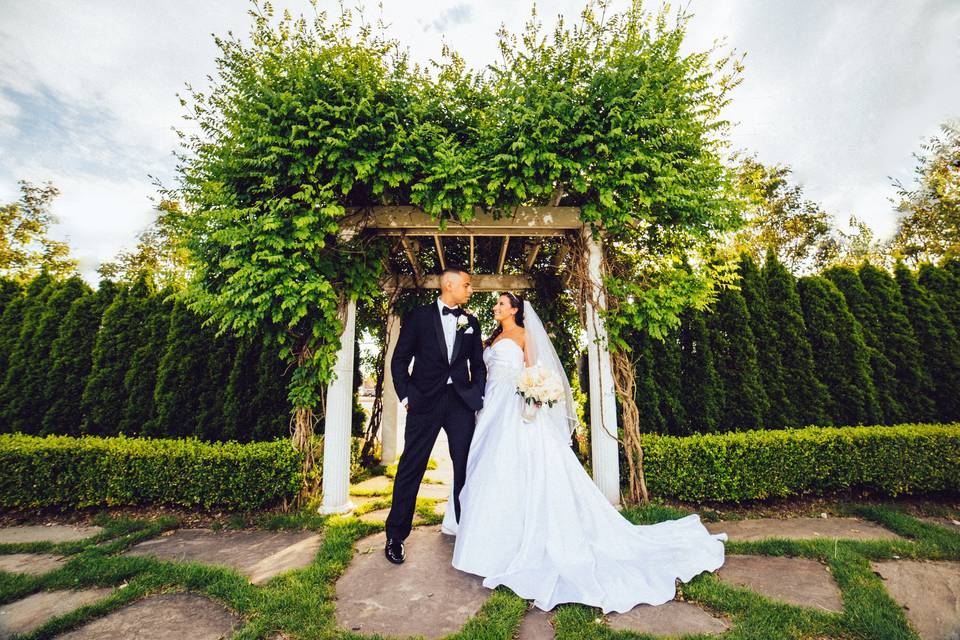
425, 596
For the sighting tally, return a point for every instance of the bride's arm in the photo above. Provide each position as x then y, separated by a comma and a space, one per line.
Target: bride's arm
528, 356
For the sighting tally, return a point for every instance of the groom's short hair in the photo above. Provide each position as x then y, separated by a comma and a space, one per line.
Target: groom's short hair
453, 268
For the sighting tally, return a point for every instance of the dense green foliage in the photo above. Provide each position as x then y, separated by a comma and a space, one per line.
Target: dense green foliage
116, 361
69, 472
839, 353
835, 336
886, 460
80, 472
307, 118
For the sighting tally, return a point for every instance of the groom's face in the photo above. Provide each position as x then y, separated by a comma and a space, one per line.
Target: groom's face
460, 288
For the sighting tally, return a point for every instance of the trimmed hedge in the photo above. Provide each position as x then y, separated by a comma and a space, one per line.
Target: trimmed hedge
80, 472
750, 465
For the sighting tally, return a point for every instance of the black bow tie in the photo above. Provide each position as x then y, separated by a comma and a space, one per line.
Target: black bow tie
458, 311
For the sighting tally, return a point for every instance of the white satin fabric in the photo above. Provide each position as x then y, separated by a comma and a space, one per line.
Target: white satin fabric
533, 520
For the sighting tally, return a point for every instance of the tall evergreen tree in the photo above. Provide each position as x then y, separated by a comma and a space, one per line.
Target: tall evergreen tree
10, 323
646, 391
790, 338
274, 409
704, 390
882, 369
9, 290
181, 373
779, 406
140, 410
211, 425
121, 333
666, 374
735, 356
71, 356
840, 353
939, 346
941, 283
31, 365
20, 348
239, 411
914, 388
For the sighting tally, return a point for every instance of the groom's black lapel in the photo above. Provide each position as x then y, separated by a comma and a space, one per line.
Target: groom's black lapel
458, 338
438, 325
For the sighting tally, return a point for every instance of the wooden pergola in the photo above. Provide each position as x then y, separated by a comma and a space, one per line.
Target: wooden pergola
527, 228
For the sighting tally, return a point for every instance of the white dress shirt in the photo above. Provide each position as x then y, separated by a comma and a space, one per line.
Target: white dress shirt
449, 322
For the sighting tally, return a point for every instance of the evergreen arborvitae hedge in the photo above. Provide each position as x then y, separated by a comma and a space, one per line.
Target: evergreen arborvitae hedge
943, 284
139, 381
703, 398
667, 376
840, 353
121, 333
882, 369
779, 406
938, 343
735, 358
20, 348
914, 388
807, 393
71, 358
180, 375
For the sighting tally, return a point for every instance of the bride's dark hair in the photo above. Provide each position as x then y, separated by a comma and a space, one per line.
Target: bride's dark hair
517, 303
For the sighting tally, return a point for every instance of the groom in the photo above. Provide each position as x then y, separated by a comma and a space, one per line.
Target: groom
444, 391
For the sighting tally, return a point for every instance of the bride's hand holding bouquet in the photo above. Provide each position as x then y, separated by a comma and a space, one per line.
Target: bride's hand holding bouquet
538, 386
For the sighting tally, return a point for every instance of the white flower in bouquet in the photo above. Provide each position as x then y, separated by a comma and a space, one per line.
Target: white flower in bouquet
537, 385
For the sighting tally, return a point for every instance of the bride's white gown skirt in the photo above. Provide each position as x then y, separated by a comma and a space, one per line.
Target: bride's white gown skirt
533, 520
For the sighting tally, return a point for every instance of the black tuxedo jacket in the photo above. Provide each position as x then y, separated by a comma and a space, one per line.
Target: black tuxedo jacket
421, 338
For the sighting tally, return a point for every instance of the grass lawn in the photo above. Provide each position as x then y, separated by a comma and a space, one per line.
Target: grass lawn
300, 603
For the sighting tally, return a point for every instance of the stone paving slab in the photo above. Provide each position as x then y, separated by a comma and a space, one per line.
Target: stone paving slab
752, 529
930, 593
376, 483
25, 615
536, 625
34, 564
380, 515
673, 618
799, 581
43, 533
260, 555
167, 616
423, 596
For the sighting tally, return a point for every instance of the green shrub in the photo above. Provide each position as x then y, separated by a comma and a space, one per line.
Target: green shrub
80, 472
748, 465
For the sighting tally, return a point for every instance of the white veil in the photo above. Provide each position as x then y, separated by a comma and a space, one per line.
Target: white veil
542, 353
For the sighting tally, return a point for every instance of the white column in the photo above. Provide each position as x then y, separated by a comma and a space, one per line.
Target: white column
391, 403
336, 440
603, 399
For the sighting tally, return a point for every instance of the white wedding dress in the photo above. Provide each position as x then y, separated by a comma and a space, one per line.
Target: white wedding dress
533, 520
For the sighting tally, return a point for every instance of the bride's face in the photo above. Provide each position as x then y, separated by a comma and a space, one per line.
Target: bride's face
503, 309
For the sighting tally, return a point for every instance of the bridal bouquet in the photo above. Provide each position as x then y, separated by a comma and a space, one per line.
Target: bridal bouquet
538, 386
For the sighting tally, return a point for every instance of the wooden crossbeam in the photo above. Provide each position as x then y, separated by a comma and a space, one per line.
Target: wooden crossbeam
412, 221
482, 282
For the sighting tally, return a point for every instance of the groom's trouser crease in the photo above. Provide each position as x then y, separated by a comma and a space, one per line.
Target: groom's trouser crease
451, 414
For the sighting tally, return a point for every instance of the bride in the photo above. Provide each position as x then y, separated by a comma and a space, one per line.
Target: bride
530, 516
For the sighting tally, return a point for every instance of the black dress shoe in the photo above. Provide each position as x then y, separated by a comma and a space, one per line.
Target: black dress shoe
394, 550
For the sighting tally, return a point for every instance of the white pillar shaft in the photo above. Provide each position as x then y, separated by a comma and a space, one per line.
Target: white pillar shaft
336, 440
391, 404
603, 399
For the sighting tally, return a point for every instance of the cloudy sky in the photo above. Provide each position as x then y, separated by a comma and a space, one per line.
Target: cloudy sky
843, 92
